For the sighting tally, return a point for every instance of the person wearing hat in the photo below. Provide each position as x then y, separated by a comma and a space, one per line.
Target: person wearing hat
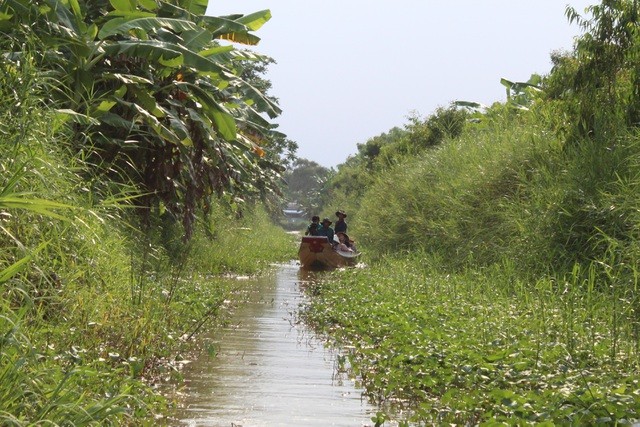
312, 229
341, 225
344, 242
326, 230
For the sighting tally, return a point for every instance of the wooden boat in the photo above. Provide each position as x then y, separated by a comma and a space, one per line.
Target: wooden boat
317, 253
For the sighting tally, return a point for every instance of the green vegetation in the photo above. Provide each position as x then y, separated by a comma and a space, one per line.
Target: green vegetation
483, 345
474, 347
305, 180
134, 171
138, 165
503, 249
152, 98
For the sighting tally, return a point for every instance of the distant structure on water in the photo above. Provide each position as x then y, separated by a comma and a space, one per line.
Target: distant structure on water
294, 211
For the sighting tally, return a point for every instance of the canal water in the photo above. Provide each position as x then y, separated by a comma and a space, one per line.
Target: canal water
267, 369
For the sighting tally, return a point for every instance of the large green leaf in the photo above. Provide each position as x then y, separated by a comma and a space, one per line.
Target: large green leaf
40, 206
77, 117
225, 124
123, 5
262, 102
224, 121
205, 122
62, 15
154, 51
217, 50
130, 79
197, 40
248, 96
148, 4
147, 118
75, 8
227, 29
229, 56
120, 26
136, 14
147, 101
256, 20
220, 25
194, 7
179, 127
243, 38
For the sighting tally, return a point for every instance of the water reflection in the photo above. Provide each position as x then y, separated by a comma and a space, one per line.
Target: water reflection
269, 371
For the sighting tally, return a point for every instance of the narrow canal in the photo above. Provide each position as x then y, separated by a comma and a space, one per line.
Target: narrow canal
269, 370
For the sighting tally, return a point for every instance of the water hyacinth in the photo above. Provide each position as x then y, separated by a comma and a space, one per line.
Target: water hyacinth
467, 348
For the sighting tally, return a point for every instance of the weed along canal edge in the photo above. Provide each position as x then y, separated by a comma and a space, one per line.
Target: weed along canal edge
264, 368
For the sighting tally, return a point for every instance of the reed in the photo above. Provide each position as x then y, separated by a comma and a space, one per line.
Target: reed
94, 308
504, 286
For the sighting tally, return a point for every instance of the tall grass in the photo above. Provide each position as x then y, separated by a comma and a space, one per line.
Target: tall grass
504, 281
93, 310
452, 200
237, 245
508, 189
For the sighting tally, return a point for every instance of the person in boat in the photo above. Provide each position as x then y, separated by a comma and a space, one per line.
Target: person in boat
312, 229
341, 225
326, 230
344, 244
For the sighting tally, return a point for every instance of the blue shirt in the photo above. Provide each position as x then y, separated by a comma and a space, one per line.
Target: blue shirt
326, 231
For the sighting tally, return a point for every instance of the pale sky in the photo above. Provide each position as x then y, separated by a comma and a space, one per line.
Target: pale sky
350, 70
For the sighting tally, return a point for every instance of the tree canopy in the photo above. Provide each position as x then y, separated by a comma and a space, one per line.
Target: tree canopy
153, 98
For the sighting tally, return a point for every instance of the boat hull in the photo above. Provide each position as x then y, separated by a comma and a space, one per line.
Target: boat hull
317, 253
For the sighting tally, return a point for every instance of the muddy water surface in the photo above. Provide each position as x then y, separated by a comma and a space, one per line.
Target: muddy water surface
268, 370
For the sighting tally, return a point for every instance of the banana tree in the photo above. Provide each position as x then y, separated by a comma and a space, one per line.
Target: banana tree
154, 98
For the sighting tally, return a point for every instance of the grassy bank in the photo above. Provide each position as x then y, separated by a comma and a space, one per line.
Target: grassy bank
103, 319
92, 322
482, 346
502, 285
93, 310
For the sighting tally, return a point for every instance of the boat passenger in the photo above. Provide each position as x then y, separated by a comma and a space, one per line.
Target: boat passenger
326, 230
344, 244
352, 244
312, 229
341, 225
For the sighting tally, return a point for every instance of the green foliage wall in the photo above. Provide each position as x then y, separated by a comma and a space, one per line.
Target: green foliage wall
153, 98
544, 183
92, 306
449, 199
507, 189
